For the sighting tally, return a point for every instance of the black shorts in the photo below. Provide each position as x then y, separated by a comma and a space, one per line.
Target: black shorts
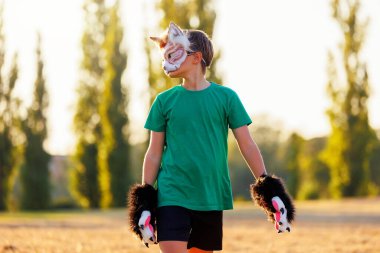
200, 229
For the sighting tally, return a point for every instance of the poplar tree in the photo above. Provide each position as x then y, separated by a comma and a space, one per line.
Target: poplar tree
349, 144
292, 160
101, 176
85, 174
9, 121
113, 147
34, 175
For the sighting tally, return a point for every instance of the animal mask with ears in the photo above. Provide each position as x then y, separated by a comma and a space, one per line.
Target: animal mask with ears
174, 45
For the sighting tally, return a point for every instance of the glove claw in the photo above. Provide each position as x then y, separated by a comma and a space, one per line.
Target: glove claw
281, 215
147, 230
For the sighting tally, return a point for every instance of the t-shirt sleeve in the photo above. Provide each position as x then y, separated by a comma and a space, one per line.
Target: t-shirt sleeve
156, 120
237, 115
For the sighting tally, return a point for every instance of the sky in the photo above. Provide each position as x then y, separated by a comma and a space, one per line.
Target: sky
274, 56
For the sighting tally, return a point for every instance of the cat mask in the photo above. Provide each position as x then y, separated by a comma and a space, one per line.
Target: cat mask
174, 45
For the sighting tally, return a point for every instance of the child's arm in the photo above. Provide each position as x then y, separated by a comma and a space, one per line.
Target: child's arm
268, 192
250, 151
153, 156
142, 198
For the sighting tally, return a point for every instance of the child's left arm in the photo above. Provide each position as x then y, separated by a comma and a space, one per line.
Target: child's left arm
268, 192
250, 151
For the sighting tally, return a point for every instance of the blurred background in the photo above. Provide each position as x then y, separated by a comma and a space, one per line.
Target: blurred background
77, 79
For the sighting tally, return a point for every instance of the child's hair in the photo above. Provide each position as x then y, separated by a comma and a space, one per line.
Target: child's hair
200, 42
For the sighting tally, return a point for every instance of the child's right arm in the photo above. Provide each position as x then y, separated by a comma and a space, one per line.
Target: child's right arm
142, 198
153, 156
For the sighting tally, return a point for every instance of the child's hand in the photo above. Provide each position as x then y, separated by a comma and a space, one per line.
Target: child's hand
146, 229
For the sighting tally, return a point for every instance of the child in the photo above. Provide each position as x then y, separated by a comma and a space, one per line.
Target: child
187, 154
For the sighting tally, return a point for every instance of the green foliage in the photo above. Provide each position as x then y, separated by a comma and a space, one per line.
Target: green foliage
374, 168
34, 171
9, 122
84, 176
100, 174
306, 175
292, 160
85, 184
313, 176
350, 143
113, 147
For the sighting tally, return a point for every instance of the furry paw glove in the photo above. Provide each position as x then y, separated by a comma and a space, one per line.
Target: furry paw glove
142, 205
269, 193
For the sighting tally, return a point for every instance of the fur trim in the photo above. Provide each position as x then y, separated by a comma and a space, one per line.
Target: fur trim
264, 189
141, 198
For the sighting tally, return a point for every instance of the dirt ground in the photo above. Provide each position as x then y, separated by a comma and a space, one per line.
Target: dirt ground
320, 226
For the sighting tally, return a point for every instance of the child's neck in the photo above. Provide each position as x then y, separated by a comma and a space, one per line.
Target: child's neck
195, 83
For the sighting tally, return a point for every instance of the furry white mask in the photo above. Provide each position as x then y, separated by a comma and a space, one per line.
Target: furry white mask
174, 45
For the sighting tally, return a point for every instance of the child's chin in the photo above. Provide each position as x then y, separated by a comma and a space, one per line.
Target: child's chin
173, 74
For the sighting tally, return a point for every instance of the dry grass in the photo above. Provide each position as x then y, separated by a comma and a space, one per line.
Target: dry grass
322, 226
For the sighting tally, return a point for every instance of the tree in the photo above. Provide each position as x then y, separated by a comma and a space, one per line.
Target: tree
9, 121
100, 177
292, 160
313, 176
374, 165
113, 146
85, 174
349, 144
34, 171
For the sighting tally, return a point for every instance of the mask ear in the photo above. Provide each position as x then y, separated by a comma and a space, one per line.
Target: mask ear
159, 41
174, 30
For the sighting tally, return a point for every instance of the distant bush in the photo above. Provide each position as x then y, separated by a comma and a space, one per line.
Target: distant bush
64, 203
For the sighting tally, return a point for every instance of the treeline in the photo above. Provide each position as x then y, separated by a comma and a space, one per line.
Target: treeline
100, 172
301, 162
104, 164
22, 133
345, 163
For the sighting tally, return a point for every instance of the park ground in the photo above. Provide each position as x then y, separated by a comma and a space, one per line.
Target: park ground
351, 225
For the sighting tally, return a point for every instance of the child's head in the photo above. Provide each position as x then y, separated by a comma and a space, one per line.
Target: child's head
200, 42
184, 51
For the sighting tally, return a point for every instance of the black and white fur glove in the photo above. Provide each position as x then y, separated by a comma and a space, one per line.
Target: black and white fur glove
269, 193
142, 206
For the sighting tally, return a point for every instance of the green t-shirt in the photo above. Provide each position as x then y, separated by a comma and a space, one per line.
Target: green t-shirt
194, 169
